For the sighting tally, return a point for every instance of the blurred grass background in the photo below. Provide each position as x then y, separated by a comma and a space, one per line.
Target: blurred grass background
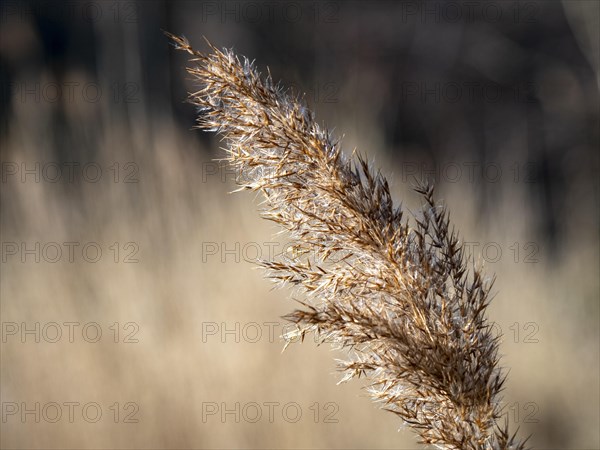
422, 88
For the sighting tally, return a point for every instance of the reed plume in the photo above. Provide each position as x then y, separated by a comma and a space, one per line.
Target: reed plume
396, 291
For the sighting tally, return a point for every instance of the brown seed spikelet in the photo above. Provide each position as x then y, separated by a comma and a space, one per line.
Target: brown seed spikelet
399, 295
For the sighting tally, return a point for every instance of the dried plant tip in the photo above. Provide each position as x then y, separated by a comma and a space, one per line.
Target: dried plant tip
396, 292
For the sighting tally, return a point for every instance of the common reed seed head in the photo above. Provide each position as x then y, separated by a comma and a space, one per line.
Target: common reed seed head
396, 291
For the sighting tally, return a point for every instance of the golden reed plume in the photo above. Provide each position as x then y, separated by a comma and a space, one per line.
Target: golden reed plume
395, 291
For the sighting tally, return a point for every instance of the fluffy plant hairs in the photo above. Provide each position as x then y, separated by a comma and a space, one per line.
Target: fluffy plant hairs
396, 291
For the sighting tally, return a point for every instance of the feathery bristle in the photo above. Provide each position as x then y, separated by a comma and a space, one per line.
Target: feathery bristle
398, 294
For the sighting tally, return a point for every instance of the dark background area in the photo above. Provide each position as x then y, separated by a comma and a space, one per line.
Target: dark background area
431, 73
